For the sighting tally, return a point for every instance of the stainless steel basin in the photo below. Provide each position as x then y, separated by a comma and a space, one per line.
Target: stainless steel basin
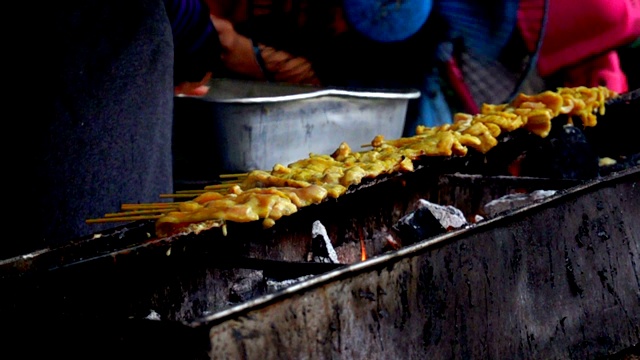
242, 125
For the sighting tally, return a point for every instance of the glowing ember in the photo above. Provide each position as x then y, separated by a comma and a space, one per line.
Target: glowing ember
363, 248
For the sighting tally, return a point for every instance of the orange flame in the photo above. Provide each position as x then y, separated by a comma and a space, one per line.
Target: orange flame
363, 248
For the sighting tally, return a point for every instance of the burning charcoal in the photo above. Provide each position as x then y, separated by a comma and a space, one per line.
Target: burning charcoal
515, 201
429, 220
449, 216
247, 287
322, 249
349, 253
153, 316
385, 239
276, 285
563, 154
613, 135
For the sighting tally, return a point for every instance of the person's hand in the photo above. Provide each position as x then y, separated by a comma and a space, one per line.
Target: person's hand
237, 50
198, 88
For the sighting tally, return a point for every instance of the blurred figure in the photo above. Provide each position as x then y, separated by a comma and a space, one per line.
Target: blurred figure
99, 126
629, 60
274, 41
582, 49
367, 44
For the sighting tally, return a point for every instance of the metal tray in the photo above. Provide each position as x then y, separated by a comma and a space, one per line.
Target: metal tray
244, 125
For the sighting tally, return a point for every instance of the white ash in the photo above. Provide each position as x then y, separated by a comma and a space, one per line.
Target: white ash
450, 217
274, 285
318, 230
247, 286
515, 201
384, 239
153, 316
477, 218
428, 220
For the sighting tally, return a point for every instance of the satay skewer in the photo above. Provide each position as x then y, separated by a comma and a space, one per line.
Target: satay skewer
235, 181
138, 212
149, 206
194, 191
170, 196
219, 186
231, 176
123, 219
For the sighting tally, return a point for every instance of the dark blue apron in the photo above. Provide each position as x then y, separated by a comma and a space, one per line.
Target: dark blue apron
99, 132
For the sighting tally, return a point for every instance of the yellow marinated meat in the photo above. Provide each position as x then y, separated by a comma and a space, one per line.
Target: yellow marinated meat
342, 152
539, 122
281, 192
259, 178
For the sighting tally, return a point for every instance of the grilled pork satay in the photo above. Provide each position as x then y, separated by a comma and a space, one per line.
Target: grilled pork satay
539, 122
269, 204
585, 102
208, 196
342, 152
271, 195
223, 211
262, 179
321, 170
312, 194
444, 143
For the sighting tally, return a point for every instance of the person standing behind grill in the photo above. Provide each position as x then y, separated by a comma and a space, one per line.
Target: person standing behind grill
280, 58
100, 134
381, 45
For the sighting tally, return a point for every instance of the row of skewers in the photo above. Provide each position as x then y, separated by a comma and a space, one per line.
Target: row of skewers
153, 211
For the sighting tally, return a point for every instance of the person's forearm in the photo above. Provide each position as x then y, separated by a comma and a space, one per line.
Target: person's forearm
240, 55
285, 67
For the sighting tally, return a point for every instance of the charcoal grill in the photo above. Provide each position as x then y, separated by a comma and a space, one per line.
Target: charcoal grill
554, 279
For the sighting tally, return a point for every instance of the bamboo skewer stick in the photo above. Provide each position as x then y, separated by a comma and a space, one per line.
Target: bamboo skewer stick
150, 206
219, 186
169, 196
122, 219
196, 191
229, 176
157, 204
137, 212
